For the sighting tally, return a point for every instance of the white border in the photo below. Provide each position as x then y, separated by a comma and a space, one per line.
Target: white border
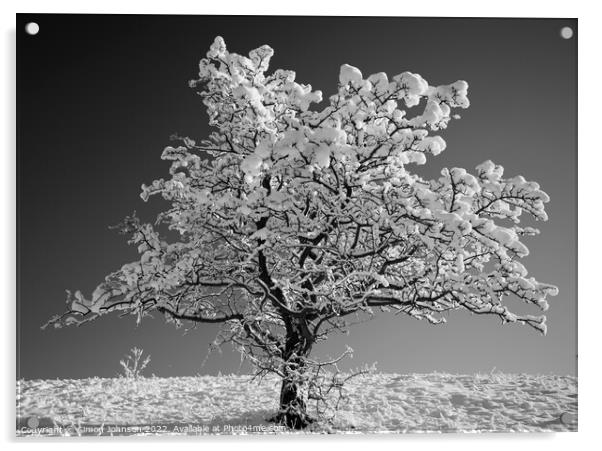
589, 199
507, 8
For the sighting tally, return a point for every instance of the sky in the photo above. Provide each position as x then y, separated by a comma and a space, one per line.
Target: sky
98, 97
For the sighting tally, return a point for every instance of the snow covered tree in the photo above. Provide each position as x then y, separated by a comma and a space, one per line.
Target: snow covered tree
293, 220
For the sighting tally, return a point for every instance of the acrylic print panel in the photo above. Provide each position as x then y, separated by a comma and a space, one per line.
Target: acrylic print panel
285, 211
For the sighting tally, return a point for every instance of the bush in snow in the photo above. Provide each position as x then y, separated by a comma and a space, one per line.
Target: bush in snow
294, 221
133, 364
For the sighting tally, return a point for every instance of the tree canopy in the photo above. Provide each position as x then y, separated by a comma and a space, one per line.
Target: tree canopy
291, 219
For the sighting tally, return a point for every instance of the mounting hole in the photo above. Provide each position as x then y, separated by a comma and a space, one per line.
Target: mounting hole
568, 418
32, 28
566, 32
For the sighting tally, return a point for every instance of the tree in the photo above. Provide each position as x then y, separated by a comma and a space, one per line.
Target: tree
293, 221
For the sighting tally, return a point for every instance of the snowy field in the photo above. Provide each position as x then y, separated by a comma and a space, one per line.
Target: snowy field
396, 403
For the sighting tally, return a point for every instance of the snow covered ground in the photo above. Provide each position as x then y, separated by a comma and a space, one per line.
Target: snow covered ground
435, 402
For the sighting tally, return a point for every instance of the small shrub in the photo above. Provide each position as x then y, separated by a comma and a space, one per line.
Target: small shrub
133, 365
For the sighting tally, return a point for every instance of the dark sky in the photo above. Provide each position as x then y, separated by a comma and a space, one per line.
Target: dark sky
99, 96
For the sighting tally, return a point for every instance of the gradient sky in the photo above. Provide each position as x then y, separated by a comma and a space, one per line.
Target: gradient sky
99, 96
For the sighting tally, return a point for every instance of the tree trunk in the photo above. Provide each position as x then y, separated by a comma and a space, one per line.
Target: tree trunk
293, 408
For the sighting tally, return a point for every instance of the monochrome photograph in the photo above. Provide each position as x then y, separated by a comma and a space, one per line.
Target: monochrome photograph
282, 225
